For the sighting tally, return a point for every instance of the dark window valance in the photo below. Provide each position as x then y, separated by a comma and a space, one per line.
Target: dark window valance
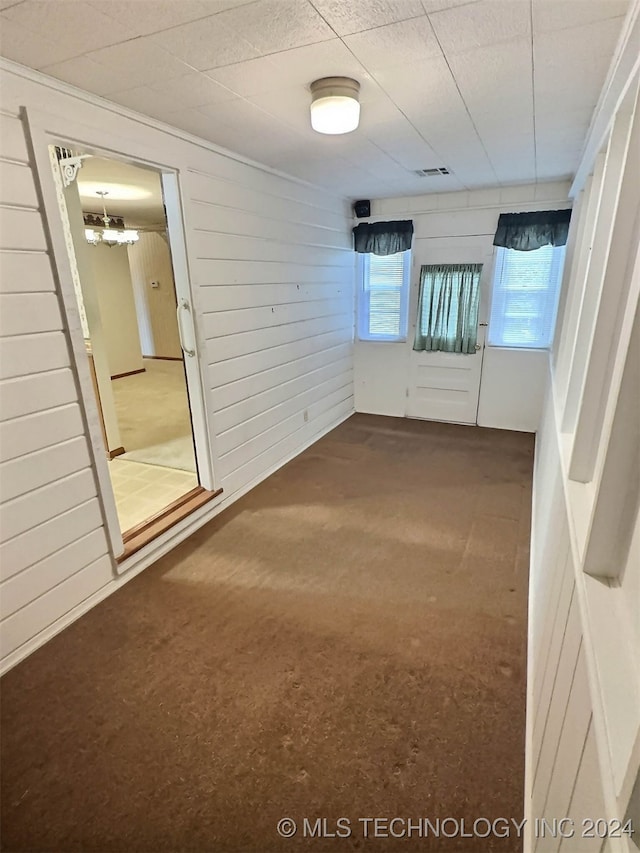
528, 231
383, 238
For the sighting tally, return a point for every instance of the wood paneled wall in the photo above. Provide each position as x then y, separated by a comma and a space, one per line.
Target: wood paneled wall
566, 780
53, 549
583, 743
462, 225
271, 270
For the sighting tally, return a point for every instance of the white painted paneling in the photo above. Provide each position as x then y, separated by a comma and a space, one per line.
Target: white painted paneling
234, 297
21, 229
458, 228
552, 597
566, 762
20, 476
605, 222
21, 626
573, 275
23, 355
322, 419
249, 439
380, 382
231, 323
258, 271
40, 391
12, 278
226, 220
272, 285
552, 713
47, 537
512, 389
22, 588
272, 203
47, 490
287, 353
583, 731
23, 514
259, 340
16, 184
12, 139
21, 436
229, 246
545, 674
28, 313
566, 781
587, 802
227, 394
261, 402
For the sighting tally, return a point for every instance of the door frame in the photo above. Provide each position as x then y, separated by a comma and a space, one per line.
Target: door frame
471, 251
43, 130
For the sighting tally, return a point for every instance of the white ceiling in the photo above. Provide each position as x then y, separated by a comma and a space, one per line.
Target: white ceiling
132, 192
499, 91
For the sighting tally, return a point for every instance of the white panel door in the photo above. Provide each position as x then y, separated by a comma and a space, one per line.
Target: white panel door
445, 386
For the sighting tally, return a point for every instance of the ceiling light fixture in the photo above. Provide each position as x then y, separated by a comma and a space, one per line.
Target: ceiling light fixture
335, 107
111, 236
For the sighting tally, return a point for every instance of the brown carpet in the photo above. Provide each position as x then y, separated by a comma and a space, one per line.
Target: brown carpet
348, 640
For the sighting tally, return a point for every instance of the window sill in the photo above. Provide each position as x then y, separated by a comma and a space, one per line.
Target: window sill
381, 340
518, 348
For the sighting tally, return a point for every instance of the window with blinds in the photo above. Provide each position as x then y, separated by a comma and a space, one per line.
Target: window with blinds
524, 302
383, 296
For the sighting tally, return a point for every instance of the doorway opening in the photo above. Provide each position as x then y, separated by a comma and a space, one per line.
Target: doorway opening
115, 222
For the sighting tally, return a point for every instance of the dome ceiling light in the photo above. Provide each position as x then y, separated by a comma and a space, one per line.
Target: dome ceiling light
335, 107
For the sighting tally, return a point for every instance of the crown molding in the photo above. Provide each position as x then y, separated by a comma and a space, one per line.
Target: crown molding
623, 70
11, 67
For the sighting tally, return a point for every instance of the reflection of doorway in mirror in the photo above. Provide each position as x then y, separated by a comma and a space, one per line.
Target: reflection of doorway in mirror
115, 227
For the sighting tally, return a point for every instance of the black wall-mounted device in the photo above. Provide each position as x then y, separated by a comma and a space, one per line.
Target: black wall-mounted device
362, 208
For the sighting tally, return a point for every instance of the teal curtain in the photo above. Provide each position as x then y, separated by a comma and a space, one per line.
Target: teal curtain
448, 308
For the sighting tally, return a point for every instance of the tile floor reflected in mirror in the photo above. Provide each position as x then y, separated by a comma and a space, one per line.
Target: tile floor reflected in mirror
141, 491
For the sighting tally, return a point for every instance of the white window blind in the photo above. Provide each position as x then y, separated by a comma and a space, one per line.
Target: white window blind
383, 296
524, 302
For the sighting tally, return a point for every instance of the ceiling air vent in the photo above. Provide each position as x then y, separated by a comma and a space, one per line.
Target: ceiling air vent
432, 173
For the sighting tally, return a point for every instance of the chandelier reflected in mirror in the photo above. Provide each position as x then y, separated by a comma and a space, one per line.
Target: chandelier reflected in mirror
107, 229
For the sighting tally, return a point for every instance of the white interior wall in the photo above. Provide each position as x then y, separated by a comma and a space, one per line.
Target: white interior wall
630, 585
512, 389
583, 719
111, 278
86, 297
513, 381
150, 261
271, 270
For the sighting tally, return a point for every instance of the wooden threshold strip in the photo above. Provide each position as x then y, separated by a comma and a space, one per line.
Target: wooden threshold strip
165, 357
137, 537
129, 373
